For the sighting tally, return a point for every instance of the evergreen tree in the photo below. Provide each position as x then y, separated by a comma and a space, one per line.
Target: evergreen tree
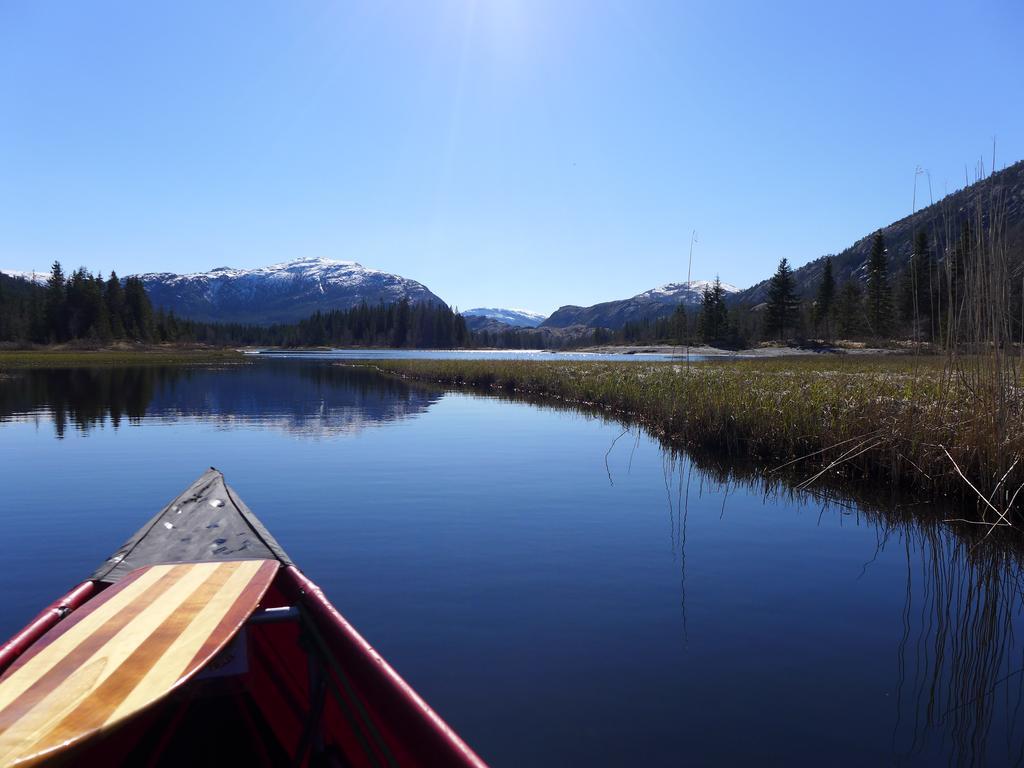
714, 315
138, 310
37, 330
735, 336
401, 324
102, 322
54, 307
823, 305
783, 304
879, 297
462, 336
83, 300
7, 314
850, 310
679, 326
113, 296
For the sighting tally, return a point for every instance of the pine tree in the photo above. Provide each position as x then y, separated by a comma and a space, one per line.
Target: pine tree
782, 302
679, 325
82, 305
879, 295
101, 323
54, 306
138, 310
823, 305
736, 338
462, 336
6, 314
37, 330
400, 337
714, 315
850, 310
113, 296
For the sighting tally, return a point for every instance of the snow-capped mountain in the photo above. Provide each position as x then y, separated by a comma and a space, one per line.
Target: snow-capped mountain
689, 293
518, 318
280, 293
657, 302
39, 278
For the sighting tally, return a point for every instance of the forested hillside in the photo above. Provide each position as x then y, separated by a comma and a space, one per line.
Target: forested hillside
941, 222
85, 307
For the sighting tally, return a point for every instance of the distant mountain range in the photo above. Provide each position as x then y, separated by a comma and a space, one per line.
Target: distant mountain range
294, 290
657, 302
514, 318
280, 293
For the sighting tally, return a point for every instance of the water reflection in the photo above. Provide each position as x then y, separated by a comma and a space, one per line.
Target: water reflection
307, 400
555, 580
959, 665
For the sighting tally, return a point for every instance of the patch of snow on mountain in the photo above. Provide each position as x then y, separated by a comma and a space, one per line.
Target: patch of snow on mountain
284, 292
39, 278
521, 318
310, 269
691, 292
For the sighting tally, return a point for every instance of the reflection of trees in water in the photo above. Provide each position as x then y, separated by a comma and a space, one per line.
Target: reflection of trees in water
82, 398
303, 398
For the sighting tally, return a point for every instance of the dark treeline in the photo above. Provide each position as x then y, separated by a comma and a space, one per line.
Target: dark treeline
536, 338
85, 307
78, 306
402, 324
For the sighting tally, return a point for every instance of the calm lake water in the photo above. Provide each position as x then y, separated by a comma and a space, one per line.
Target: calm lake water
561, 589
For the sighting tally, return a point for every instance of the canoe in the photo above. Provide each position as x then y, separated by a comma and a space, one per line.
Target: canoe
199, 642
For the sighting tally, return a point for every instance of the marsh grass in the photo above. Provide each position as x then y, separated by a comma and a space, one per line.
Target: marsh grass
982, 365
909, 421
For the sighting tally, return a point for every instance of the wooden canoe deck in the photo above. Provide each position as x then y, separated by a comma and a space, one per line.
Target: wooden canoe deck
122, 651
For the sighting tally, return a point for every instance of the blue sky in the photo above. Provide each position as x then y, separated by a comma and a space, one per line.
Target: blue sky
525, 153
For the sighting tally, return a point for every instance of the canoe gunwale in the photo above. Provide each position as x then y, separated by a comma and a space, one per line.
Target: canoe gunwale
415, 717
48, 618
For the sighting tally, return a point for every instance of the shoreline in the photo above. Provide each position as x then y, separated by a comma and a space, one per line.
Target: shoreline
749, 353
882, 419
639, 350
177, 354
157, 354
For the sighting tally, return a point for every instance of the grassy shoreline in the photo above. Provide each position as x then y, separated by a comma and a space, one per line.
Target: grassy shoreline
12, 359
894, 419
